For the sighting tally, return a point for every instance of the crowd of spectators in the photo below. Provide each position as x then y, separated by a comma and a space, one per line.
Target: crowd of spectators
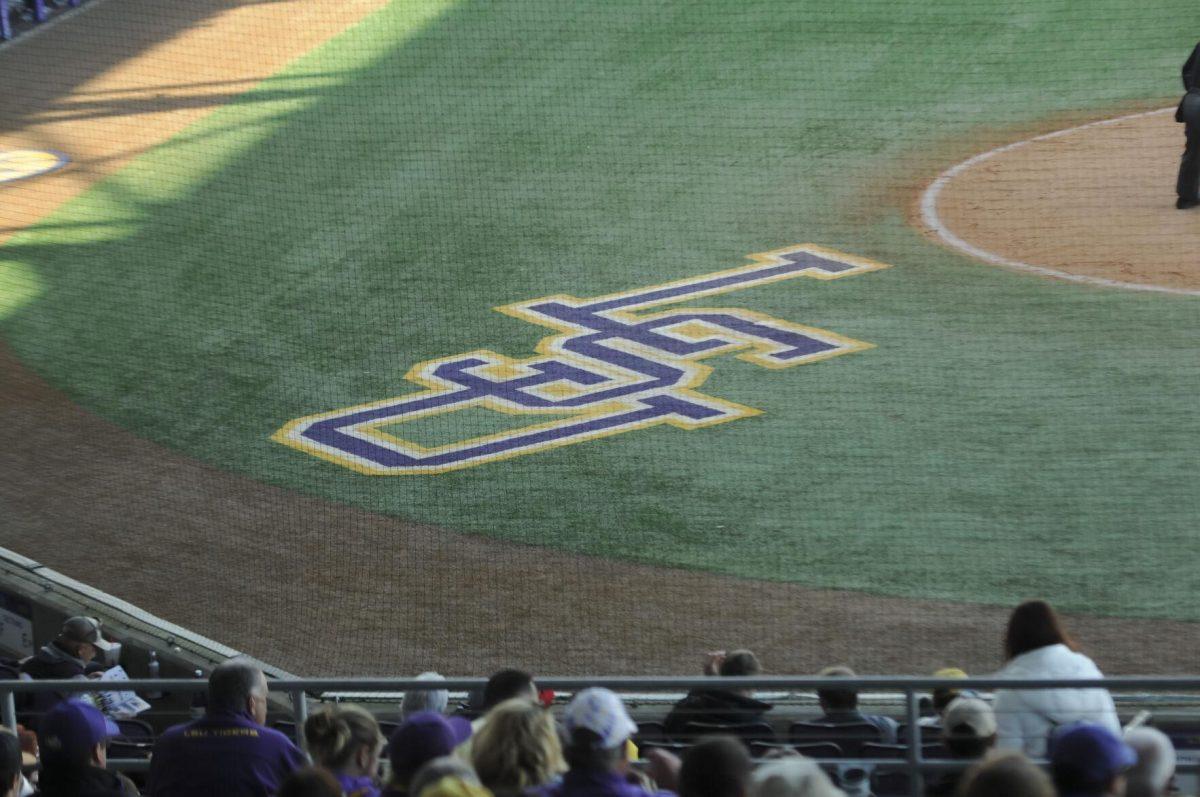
514, 746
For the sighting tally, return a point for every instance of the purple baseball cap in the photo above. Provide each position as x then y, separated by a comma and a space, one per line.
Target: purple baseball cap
70, 730
461, 727
422, 737
1090, 754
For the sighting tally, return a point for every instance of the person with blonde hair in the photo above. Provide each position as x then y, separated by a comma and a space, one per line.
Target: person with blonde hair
448, 766
346, 740
517, 749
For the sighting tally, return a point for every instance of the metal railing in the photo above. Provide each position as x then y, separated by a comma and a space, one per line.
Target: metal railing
909, 689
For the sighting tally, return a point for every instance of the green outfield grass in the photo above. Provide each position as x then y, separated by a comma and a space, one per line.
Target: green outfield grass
300, 249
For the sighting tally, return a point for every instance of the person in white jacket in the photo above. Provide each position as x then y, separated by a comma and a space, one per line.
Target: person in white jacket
1037, 647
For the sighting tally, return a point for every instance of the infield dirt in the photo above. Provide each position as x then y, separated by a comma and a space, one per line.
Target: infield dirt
251, 565
1097, 201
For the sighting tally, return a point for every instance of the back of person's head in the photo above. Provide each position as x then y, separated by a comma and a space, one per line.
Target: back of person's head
1088, 759
518, 747
72, 736
231, 684
425, 699
1151, 775
10, 763
837, 699
794, 776
421, 738
597, 727
717, 766
944, 695
740, 663
339, 736
310, 782
447, 766
1006, 774
1033, 625
454, 786
505, 685
968, 727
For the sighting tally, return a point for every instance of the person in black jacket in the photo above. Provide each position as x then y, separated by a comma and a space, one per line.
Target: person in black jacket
78, 650
1188, 113
716, 706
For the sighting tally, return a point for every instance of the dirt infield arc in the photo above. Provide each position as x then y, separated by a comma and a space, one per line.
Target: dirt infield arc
1091, 203
219, 553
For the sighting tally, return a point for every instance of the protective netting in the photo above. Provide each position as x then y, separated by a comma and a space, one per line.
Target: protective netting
375, 337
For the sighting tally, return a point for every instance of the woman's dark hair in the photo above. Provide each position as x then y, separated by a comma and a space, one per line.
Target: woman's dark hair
1034, 625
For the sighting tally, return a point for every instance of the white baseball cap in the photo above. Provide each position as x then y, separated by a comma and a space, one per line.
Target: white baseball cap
600, 711
971, 712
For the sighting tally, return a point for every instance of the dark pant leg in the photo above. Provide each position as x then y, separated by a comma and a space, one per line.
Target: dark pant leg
1188, 185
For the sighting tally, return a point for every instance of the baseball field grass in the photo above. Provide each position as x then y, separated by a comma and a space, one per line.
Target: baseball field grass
365, 209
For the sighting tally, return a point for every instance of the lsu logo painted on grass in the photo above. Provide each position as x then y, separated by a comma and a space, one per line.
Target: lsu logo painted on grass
605, 372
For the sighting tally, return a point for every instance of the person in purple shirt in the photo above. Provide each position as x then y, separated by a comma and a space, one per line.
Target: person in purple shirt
597, 727
228, 751
311, 782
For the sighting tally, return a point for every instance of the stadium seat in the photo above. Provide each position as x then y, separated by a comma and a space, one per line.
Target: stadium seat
1184, 735
746, 731
120, 748
899, 751
888, 782
649, 732
929, 733
671, 747
812, 750
135, 730
819, 750
288, 729
850, 737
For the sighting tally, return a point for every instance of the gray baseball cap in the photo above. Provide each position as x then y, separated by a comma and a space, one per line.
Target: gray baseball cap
86, 629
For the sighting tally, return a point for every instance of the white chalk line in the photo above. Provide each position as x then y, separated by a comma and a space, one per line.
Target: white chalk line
42, 27
929, 214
